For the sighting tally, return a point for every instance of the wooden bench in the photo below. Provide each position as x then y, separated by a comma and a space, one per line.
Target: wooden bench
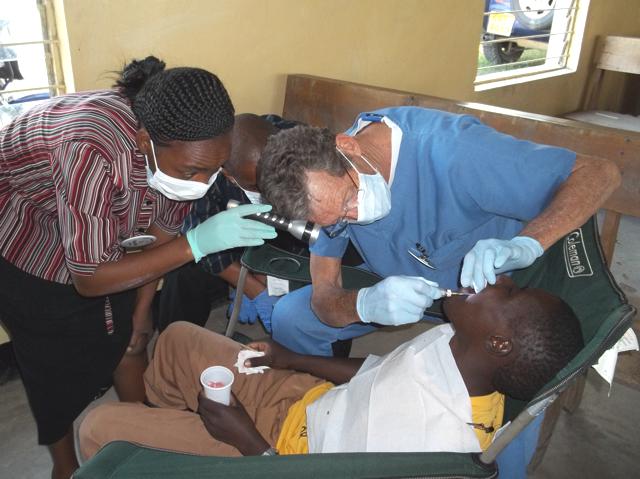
334, 104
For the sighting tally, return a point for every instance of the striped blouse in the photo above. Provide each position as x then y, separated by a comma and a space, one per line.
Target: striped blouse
73, 185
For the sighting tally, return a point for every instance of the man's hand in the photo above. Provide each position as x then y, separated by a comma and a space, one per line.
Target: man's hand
231, 425
396, 300
264, 304
275, 355
248, 312
142, 332
490, 257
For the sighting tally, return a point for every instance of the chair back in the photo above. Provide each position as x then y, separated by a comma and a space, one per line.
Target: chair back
270, 260
613, 53
620, 54
574, 269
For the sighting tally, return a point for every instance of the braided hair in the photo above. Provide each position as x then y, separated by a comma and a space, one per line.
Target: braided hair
185, 104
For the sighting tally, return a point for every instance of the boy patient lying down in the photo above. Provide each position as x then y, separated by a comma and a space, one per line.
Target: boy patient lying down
441, 391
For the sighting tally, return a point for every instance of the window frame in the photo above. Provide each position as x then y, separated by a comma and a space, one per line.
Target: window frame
569, 48
51, 45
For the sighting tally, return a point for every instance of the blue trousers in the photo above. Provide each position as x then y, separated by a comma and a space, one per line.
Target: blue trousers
298, 328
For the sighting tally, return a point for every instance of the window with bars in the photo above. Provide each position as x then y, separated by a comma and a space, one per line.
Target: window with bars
524, 40
29, 53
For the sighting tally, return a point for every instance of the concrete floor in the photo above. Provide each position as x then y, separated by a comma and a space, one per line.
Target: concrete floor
599, 440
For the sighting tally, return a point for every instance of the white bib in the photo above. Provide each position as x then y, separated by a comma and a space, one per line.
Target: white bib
413, 399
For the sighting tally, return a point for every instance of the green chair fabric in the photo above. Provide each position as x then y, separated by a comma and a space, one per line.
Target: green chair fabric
268, 259
573, 268
125, 460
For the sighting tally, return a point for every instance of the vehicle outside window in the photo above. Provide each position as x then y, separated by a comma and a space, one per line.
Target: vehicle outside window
515, 30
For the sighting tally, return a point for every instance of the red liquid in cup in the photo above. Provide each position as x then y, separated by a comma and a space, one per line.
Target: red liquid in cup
216, 384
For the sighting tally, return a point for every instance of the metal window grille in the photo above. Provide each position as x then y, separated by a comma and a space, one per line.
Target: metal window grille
30, 41
510, 47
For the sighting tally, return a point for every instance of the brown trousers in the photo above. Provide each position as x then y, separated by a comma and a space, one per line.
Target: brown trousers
172, 382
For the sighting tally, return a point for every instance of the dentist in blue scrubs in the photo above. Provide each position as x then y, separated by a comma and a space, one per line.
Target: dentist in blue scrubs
430, 200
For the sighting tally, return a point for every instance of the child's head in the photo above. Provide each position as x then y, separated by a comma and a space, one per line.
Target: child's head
248, 139
522, 336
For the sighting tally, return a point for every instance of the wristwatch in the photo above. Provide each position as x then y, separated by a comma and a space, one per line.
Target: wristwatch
272, 451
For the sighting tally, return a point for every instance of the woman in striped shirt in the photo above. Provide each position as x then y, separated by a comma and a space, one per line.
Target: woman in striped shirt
82, 178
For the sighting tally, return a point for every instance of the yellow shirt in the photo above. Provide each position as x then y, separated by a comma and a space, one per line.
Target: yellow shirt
293, 436
486, 413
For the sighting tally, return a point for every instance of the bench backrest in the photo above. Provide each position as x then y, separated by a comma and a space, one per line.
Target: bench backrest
334, 104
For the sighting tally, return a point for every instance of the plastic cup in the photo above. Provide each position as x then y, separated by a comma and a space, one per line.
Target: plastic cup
217, 381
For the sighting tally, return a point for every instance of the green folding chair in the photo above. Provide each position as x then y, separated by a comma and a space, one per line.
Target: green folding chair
574, 269
270, 260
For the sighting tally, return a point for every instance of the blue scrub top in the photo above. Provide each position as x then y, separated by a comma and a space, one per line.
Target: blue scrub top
456, 181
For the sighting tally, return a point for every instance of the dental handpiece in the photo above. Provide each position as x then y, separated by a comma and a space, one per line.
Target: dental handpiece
447, 293
303, 230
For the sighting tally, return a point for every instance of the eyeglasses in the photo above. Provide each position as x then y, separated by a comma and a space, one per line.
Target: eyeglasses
336, 229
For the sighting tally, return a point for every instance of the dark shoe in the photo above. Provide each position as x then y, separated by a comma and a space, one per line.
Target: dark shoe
8, 366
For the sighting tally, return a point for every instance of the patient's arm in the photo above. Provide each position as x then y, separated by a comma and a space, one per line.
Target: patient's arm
232, 425
336, 370
253, 285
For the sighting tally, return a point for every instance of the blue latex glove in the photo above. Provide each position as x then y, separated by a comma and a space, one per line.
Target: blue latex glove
396, 300
264, 305
229, 229
493, 256
248, 312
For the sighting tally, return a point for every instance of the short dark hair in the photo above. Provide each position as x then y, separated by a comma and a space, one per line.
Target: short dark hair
177, 104
285, 161
546, 336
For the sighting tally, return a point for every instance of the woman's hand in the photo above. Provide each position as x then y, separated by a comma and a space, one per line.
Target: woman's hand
229, 229
231, 425
275, 355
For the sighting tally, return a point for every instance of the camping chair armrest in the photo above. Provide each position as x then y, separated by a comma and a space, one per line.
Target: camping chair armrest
123, 460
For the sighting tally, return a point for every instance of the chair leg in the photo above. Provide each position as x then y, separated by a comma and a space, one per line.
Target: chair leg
569, 400
551, 416
233, 320
573, 395
590, 100
609, 234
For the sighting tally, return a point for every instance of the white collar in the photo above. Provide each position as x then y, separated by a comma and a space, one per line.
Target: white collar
396, 139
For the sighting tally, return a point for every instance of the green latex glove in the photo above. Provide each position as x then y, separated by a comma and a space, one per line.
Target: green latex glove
229, 229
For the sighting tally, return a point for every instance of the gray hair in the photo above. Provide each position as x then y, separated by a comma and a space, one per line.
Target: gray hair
285, 162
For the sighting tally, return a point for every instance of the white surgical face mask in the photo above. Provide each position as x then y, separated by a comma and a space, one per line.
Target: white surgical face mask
175, 188
374, 195
254, 197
